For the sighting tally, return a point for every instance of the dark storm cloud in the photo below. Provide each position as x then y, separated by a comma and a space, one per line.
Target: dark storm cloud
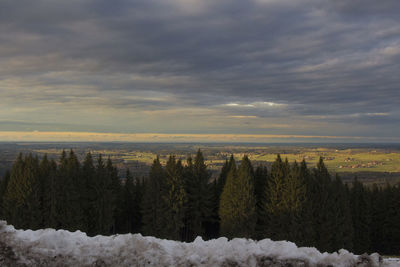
326, 60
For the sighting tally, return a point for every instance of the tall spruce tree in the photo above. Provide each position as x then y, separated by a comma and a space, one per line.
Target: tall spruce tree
127, 210
139, 185
218, 187
176, 199
294, 199
323, 208
199, 205
275, 206
47, 172
3, 188
154, 204
393, 220
88, 195
361, 217
308, 231
73, 176
378, 219
342, 217
21, 201
260, 193
227, 205
114, 190
104, 202
67, 204
237, 206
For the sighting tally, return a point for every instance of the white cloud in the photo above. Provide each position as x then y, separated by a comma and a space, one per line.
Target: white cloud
257, 104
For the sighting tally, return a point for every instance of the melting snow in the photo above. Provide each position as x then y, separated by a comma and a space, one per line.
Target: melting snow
49, 247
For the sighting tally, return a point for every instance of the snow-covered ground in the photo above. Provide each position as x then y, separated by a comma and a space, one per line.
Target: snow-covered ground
49, 247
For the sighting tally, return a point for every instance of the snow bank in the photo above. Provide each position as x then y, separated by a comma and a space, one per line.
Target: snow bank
49, 247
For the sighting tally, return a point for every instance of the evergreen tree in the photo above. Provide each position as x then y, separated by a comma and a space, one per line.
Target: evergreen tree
199, 205
45, 188
237, 206
21, 201
115, 191
127, 211
378, 219
342, 217
175, 198
392, 219
104, 202
15, 195
323, 208
137, 204
51, 221
154, 205
361, 217
67, 203
260, 194
75, 183
188, 174
294, 199
3, 189
88, 195
275, 205
307, 235
228, 206
218, 187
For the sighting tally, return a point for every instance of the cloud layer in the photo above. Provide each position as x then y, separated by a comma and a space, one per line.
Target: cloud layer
302, 67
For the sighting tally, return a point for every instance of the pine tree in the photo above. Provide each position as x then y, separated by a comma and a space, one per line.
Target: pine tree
73, 177
15, 195
176, 199
67, 203
127, 211
237, 206
115, 191
392, 220
294, 198
88, 195
218, 186
104, 203
154, 205
378, 216
21, 201
228, 206
308, 232
3, 189
260, 192
199, 205
45, 176
275, 206
361, 217
33, 200
342, 218
224, 174
51, 220
188, 174
137, 205
323, 208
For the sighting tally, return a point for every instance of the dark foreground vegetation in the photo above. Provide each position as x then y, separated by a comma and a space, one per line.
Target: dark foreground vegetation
180, 201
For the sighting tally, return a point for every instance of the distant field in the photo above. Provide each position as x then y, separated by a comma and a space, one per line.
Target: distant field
349, 160
368, 164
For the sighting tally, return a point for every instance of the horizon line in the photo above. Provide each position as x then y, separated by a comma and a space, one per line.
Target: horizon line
62, 136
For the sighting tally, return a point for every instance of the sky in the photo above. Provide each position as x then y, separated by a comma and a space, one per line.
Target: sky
200, 70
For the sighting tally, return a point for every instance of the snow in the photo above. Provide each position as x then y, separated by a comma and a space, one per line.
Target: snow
49, 247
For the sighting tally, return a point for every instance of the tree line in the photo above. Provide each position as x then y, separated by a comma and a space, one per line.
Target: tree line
180, 201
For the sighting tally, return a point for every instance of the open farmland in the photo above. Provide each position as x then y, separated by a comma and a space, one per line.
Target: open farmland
370, 164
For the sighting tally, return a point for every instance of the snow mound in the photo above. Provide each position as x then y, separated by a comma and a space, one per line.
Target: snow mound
49, 247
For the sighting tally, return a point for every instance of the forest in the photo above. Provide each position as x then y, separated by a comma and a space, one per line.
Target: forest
181, 201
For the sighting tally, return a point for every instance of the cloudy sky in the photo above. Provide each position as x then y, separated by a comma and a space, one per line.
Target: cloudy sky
277, 69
